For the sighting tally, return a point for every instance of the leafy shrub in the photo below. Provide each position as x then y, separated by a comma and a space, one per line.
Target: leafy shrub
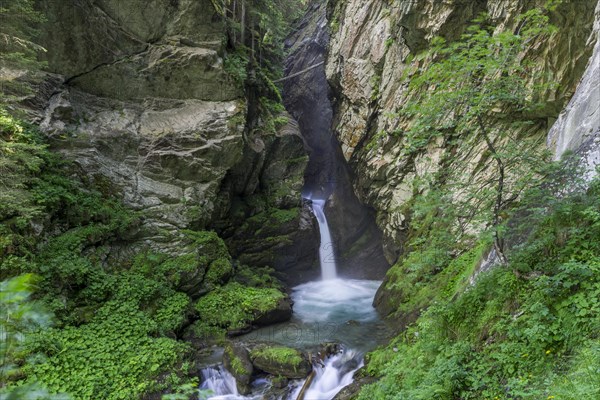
514, 333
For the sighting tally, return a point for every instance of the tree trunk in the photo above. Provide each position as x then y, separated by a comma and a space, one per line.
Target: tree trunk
498, 241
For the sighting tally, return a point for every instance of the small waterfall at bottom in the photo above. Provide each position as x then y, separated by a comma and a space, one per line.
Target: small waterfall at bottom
326, 249
336, 373
220, 383
328, 311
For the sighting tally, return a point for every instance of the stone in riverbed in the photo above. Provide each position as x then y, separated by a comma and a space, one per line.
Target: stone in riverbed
280, 361
280, 313
236, 360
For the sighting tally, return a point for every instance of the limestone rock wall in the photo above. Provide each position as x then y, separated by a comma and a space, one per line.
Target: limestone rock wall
141, 100
371, 45
356, 238
578, 126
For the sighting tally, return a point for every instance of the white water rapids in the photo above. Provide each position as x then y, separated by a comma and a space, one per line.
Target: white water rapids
330, 310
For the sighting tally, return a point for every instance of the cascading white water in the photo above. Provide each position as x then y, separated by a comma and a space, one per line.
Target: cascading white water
220, 383
326, 249
337, 373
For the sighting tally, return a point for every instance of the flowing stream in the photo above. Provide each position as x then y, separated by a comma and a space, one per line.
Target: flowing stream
335, 310
332, 310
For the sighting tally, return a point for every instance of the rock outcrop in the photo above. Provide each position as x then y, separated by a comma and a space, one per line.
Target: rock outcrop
142, 100
372, 44
578, 126
280, 361
236, 360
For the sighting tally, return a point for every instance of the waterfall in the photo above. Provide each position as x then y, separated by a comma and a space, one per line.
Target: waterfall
336, 372
220, 383
326, 249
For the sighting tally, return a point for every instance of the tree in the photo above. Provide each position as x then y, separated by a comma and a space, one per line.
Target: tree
480, 93
18, 50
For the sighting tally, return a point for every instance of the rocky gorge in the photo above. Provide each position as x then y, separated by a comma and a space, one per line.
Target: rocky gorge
224, 148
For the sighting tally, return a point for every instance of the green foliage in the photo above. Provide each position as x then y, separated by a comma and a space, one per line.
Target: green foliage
255, 53
114, 319
257, 277
112, 357
480, 94
18, 315
236, 363
376, 87
528, 330
235, 65
235, 306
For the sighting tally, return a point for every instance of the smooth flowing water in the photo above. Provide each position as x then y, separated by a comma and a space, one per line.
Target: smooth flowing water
326, 249
336, 310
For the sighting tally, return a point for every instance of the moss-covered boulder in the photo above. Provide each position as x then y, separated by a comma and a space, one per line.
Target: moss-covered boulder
236, 360
237, 308
280, 361
205, 265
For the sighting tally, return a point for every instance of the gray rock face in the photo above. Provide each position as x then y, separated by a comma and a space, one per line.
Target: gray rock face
371, 45
147, 109
578, 126
165, 157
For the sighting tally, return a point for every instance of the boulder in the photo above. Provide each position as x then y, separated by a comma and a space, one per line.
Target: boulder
280, 361
236, 360
280, 313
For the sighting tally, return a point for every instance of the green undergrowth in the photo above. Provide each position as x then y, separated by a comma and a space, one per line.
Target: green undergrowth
414, 286
526, 330
114, 323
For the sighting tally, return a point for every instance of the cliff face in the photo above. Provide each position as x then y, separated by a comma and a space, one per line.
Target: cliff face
371, 45
142, 101
578, 126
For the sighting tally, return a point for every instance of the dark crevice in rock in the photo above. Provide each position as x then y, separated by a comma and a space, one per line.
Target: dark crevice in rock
357, 240
106, 64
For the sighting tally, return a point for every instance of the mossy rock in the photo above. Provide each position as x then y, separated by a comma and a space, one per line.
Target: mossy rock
236, 308
186, 273
218, 273
236, 360
201, 335
205, 265
281, 361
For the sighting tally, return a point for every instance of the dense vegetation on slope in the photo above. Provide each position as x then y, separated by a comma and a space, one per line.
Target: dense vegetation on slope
88, 312
119, 321
256, 35
527, 329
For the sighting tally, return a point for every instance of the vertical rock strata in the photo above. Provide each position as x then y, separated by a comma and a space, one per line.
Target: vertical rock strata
356, 238
371, 46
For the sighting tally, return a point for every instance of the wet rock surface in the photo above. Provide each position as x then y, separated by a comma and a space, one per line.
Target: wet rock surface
236, 360
280, 361
372, 45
